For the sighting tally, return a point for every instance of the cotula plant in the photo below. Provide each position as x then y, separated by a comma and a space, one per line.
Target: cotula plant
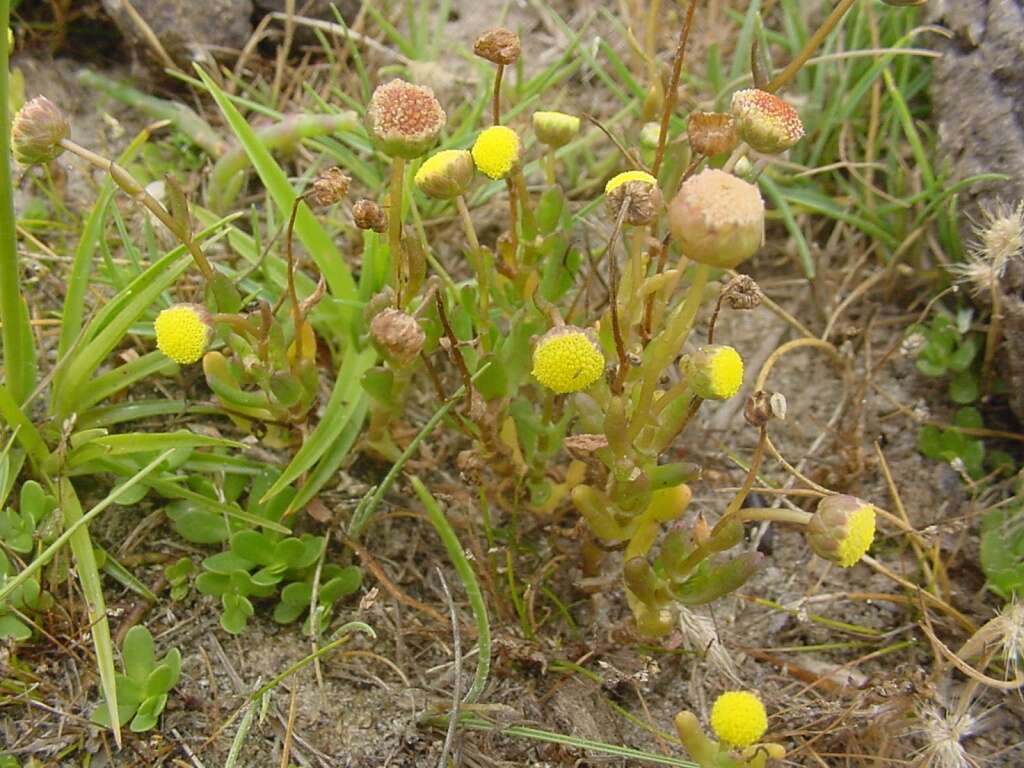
143, 688
616, 382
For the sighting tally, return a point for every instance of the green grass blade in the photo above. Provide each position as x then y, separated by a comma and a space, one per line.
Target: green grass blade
341, 410
85, 253
122, 377
550, 737
318, 243
771, 189
469, 583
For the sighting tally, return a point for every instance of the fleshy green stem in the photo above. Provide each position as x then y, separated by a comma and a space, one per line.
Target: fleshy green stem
19, 354
398, 269
775, 515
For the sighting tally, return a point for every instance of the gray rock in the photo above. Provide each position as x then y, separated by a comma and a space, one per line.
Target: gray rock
189, 30
978, 93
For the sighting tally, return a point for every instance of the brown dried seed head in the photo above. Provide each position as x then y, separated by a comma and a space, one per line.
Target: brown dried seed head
742, 292
329, 187
37, 131
758, 409
369, 215
712, 133
498, 45
405, 118
398, 334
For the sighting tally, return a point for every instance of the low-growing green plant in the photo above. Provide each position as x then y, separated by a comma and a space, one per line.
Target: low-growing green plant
143, 687
19, 527
179, 576
20, 604
950, 349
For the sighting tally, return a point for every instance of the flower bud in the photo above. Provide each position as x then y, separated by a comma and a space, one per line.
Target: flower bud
368, 214
496, 151
499, 46
329, 187
712, 133
717, 219
184, 332
842, 529
639, 191
738, 718
567, 359
766, 122
398, 334
405, 118
555, 129
446, 174
37, 131
649, 136
715, 371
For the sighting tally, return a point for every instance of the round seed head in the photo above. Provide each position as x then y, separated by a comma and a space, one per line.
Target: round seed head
766, 122
183, 332
567, 359
555, 129
37, 131
496, 151
717, 219
368, 214
716, 372
842, 529
398, 334
405, 118
498, 46
446, 175
712, 133
329, 187
738, 718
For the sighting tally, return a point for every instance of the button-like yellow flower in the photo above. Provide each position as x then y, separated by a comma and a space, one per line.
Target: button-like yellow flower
567, 359
738, 718
183, 332
716, 372
496, 151
446, 174
842, 529
627, 176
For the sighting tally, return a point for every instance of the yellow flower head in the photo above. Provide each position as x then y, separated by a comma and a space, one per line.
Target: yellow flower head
842, 529
496, 151
446, 174
183, 332
738, 718
716, 372
627, 176
567, 359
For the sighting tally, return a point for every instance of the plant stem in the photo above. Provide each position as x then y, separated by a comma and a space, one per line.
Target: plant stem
496, 97
395, 226
136, 191
776, 515
782, 79
19, 355
673, 86
480, 266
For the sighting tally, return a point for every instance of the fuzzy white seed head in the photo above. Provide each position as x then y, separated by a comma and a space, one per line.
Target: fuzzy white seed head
999, 240
944, 731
